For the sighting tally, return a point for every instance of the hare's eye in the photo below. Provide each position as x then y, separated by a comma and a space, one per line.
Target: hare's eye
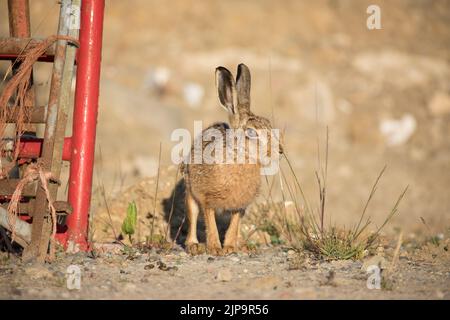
251, 133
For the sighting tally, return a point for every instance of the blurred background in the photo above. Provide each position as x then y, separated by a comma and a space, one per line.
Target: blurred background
384, 94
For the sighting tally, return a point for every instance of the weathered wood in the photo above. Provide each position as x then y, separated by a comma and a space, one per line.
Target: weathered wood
42, 223
8, 186
62, 208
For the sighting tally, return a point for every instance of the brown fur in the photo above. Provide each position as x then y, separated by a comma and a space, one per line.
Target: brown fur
229, 187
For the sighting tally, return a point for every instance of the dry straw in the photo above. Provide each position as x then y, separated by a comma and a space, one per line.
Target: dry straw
18, 85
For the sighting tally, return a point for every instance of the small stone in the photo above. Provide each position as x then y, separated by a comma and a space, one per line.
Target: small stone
398, 131
108, 248
224, 275
290, 252
149, 266
235, 259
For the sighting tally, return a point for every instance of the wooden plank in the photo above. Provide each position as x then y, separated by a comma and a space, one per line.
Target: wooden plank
8, 186
62, 208
51, 155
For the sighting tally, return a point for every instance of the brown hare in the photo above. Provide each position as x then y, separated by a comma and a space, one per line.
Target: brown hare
226, 186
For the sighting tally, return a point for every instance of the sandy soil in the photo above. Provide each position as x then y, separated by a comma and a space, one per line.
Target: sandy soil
270, 273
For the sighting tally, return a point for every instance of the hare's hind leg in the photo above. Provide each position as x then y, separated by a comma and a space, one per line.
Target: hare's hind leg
230, 243
192, 209
213, 245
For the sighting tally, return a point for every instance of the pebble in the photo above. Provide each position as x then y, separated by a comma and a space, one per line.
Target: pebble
149, 266
235, 259
398, 131
224, 275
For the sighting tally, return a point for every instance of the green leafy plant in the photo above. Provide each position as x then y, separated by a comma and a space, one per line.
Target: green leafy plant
272, 231
130, 221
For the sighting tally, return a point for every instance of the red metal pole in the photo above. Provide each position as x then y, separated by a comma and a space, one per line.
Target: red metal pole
85, 121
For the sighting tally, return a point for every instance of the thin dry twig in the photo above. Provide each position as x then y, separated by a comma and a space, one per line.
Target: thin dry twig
396, 253
358, 231
156, 193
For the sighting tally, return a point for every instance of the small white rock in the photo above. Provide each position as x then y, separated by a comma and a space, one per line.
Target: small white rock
157, 78
193, 94
398, 132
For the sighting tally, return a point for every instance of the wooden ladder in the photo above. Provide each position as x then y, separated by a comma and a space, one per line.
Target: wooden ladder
50, 149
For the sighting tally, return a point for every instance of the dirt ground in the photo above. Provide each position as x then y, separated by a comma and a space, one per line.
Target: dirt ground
270, 273
384, 95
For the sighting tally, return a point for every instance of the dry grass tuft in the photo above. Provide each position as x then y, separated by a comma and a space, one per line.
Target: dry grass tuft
296, 223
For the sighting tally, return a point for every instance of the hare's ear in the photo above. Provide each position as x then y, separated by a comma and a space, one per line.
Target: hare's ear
243, 84
226, 89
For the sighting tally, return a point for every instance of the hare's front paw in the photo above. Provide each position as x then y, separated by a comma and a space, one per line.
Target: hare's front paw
242, 248
215, 250
229, 249
248, 249
195, 248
